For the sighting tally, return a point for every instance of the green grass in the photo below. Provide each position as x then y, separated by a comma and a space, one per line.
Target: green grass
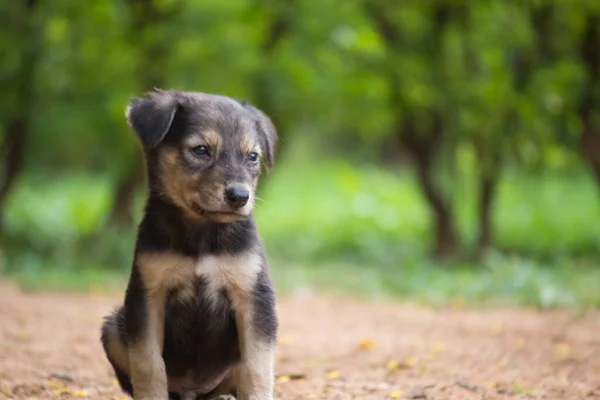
338, 228
499, 281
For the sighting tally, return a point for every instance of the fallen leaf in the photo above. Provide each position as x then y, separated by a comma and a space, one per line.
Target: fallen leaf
438, 347
392, 365
366, 344
435, 349
24, 336
396, 395
334, 374
411, 361
491, 385
80, 393
496, 329
562, 351
500, 364
520, 344
286, 340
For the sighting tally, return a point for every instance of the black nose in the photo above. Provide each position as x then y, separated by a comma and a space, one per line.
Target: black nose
236, 196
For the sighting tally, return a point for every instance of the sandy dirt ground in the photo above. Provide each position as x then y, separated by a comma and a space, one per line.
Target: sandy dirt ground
342, 349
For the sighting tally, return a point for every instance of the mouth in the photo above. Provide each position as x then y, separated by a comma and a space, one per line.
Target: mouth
219, 216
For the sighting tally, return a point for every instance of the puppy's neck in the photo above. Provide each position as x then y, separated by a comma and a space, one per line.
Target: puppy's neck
166, 227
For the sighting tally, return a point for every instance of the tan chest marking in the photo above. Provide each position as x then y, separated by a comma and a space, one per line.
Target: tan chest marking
163, 271
236, 274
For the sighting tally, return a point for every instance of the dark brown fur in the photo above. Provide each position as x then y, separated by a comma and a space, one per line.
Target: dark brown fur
198, 319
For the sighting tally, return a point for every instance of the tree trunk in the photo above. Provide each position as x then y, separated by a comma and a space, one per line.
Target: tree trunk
127, 188
488, 183
590, 148
277, 30
423, 152
590, 135
18, 126
422, 148
151, 72
445, 242
12, 154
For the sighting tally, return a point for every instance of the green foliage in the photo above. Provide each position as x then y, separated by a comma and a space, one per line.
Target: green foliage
339, 228
486, 88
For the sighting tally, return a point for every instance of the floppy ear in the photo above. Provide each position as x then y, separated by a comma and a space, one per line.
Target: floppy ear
150, 117
266, 131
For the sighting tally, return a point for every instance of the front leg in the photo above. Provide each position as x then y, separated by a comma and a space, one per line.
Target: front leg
257, 329
144, 324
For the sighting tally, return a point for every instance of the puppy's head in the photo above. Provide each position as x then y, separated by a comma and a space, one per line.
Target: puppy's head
204, 152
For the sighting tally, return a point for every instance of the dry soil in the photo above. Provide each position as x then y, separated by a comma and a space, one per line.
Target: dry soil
329, 349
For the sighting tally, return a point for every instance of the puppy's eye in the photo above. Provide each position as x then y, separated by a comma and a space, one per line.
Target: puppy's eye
201, 151
253, 157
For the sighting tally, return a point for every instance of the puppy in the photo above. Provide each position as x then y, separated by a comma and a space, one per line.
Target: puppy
198, 319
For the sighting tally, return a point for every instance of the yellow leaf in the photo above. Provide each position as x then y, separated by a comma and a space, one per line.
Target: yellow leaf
520, 344
500, 364
438, 347
54, 385
491, 385
366, 344
80, 393
392, 365
24, 337
334, 374
423, 370
286, 340
60, 392
396, 395
562, 351
411, 361
496, 329
284, 379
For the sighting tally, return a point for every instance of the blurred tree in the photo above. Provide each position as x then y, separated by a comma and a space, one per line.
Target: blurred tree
589, 107
149, 20
279, 26
421, 120
18, 83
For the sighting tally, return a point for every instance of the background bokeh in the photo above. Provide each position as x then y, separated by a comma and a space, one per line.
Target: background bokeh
445, 151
